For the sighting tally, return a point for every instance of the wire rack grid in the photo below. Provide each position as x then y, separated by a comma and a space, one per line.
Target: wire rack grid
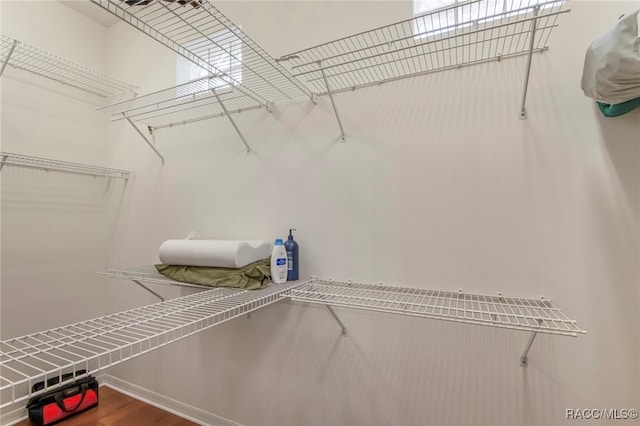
100, 343
23, 56
201, 99
463, 34
198, 31
19, 160
496, 311
146, 274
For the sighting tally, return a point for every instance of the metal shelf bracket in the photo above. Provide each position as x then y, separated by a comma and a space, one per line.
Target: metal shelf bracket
524, 362
335, 316
146, 139
235, 126
333, 104
148, 289
532, 36
6, 61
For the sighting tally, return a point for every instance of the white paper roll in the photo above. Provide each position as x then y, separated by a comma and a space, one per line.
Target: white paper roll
214, 253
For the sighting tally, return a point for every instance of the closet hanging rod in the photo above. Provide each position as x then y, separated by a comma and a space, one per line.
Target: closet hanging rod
19, 160
187, 102
184, 106
25, 57
206, 117
163, 95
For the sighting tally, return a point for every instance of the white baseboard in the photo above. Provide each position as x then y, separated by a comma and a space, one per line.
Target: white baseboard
165, 403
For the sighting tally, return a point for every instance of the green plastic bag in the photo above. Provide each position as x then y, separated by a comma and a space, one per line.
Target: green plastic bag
618, 109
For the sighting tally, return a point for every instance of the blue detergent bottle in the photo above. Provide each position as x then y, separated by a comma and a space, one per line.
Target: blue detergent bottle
291, 247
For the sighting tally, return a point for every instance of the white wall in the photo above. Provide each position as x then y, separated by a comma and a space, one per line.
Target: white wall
438, 186
56, 28
57, 228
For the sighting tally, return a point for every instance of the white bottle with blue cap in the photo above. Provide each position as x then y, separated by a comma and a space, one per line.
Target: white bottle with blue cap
278, 263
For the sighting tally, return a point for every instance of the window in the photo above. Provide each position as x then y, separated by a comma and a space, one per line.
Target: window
223, 50
434, 21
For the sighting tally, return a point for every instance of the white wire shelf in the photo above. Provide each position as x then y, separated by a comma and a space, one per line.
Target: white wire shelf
495, 311
146, 274
18, 160
192, 29
103, 342
25, 57
197, 100
467, 33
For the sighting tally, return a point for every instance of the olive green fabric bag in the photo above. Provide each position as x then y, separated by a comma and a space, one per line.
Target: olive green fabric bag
254, 276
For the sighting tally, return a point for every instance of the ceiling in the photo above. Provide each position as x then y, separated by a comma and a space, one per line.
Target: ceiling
92, 11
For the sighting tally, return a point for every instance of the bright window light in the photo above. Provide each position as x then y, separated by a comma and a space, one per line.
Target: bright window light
223, 50
432, 20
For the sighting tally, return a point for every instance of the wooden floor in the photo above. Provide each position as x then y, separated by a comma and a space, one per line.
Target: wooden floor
115, 408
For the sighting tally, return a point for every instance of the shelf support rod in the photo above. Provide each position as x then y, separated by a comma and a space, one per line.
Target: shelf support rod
145, 139
148, 289
335, 316
6, 61
224, 108
333, 104
534, 22
523, 358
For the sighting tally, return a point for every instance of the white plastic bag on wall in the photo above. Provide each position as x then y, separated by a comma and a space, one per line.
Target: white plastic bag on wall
612, 64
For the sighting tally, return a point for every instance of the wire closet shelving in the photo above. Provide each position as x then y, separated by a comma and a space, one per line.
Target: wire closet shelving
466, 33
190, 28
92, 346
23, 56
200, 99
148, 274
198, 31
462, 34
142, 275
535, 316
530, 315
26, 161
